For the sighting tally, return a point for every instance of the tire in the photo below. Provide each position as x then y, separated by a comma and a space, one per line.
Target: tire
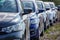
42, 33
45, 27
51, 24
48, 26
56, 19
39, 32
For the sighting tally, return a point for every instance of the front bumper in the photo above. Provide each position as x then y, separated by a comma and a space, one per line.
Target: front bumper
34, 33
33, 30
14, 35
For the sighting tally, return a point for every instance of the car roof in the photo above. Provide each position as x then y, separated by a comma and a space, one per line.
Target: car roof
46, 2
28, 0
31, 0
39, 1
51, 2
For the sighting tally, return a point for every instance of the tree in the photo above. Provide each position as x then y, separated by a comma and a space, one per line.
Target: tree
57, 2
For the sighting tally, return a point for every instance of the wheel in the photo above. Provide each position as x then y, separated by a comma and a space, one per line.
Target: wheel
39, 32
51, 23
42, 33
48, 26
56, 19
45, 27
42, 29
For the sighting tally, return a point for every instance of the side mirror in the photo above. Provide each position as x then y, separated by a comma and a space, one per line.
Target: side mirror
47, 8
27, 11
40, 11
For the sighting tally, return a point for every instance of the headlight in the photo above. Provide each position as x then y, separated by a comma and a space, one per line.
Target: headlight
11, 28
34, 21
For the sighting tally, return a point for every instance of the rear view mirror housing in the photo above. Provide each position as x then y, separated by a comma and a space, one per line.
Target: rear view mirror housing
27, 11
40, 11
47, 8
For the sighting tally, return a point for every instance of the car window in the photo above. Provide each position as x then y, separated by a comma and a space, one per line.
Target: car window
8, 6
52, 6
28, 5
40, 5
47, 6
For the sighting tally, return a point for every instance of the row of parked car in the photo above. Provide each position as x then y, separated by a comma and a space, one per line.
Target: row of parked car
25, 19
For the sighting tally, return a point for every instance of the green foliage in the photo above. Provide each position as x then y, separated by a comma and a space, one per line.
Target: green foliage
57, 2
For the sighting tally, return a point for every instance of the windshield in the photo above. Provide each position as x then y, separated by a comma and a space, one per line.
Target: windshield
29, 5
8, 6
52, 6
47, 6
40, 5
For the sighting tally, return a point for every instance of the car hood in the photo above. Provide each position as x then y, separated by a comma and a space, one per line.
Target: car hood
6, 18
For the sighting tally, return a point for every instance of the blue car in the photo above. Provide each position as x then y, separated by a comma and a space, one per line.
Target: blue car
36, 26
30, 7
